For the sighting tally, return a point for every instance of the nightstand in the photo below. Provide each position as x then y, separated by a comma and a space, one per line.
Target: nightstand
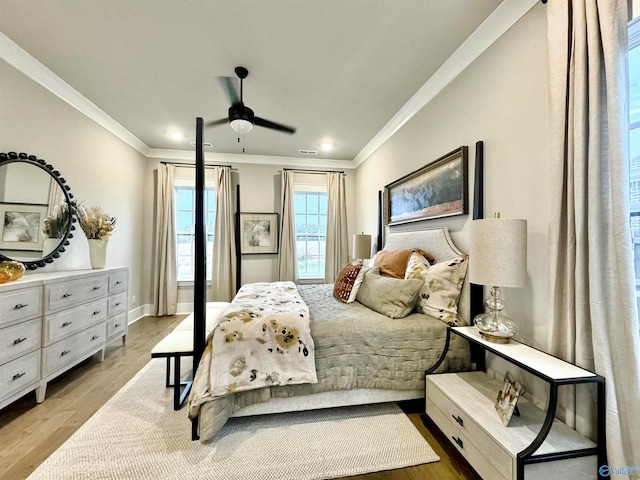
535, 445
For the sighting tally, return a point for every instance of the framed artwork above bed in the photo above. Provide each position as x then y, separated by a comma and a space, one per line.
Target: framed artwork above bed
439, 189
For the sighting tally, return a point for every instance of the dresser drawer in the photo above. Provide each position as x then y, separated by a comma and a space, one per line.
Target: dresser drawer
19, 374
117, 303
118, 282
60, 296
116, 324
20, 305
453, 421
70, 349
19, 339
60, 325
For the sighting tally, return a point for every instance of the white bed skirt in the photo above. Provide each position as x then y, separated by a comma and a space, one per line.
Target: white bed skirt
342, 398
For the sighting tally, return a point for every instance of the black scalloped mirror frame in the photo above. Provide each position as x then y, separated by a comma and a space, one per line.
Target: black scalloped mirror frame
12, 157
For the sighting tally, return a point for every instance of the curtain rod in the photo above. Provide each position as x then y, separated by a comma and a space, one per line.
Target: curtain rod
191, 165
318, 172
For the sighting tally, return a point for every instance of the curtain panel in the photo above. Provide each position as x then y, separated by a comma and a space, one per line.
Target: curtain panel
223, 262
165, 285
337, 246
593, 313
287, 244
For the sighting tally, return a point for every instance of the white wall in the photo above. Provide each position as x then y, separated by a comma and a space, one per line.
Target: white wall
99, 168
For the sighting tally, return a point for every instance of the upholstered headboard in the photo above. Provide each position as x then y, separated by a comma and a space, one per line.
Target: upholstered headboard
438, 243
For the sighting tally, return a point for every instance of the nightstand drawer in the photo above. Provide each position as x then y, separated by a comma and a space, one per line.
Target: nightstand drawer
470, 450
454, 419
118, 282
19, 339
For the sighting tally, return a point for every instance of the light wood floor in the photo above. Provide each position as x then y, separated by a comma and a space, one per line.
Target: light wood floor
29, 432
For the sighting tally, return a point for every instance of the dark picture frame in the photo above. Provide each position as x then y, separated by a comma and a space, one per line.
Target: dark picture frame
439, 189
21, 226
258, 233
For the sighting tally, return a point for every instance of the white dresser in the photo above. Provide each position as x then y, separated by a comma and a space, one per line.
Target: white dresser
50, 322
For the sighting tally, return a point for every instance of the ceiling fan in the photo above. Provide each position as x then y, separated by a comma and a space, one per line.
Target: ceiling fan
241, 118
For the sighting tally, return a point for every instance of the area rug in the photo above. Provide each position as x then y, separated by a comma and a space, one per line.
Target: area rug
137, 435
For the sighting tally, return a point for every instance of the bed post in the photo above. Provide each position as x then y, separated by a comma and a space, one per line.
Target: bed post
477, 291
200, 260
238, 246
380, 221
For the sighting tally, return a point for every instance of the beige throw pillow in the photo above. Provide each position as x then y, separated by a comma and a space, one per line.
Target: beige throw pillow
443, 281
393, 297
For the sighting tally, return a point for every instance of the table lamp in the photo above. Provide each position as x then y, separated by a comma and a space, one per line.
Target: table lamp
498, 258
361, 247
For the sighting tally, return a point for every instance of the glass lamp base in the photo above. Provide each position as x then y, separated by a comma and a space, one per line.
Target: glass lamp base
495, 328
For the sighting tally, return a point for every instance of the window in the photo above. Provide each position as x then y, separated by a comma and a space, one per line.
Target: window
634, 143
185, 206
310, 210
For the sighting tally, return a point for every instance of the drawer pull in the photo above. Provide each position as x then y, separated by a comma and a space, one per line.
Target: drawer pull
19, 340
118, 282
118, 304
97, 288
66, 324
96, 312
95, 337
65, 352
117, 325
458, 419
18, 375
67, 295
20, 305
458, 441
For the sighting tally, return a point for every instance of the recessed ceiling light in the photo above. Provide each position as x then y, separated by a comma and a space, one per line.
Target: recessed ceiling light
176, 135
326, 146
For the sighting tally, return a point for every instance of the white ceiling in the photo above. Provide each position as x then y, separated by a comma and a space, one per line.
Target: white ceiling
337, 70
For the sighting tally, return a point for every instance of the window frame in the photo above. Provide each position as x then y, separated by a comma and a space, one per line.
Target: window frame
310, 188
190, 183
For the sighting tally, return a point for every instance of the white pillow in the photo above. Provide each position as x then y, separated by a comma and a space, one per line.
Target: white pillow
442, 285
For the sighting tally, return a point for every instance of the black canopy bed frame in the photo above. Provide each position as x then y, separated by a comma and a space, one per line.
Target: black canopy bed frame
199, 341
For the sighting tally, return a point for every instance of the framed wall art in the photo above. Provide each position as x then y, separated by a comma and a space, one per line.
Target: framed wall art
21, 226
258, 233
439, 189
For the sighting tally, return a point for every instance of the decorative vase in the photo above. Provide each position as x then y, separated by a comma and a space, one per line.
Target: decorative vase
11, 270
98, 252
49, 245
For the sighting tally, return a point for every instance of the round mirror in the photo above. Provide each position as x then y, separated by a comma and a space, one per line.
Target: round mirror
36, 214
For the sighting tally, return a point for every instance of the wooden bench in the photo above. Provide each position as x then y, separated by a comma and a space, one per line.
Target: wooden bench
178, 344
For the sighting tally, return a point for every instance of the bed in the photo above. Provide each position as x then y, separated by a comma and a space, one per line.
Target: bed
361, 356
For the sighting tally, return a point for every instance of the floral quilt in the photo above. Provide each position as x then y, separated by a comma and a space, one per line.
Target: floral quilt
263, 339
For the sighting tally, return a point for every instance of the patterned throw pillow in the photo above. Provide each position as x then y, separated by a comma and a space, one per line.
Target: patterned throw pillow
442, 285
346, 281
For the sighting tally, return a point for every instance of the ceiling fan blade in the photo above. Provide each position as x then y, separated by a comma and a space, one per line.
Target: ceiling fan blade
276, 126
214, 123
229, 86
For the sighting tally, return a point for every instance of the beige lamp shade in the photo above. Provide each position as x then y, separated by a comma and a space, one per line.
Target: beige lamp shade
361, 246
498, 252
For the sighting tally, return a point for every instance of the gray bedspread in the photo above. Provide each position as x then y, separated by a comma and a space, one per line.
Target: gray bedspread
355, 347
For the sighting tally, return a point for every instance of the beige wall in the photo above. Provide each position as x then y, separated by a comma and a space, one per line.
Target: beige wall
500, 99
99, 168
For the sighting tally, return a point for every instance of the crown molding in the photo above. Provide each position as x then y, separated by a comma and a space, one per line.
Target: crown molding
495, 25
236, 158
24, 62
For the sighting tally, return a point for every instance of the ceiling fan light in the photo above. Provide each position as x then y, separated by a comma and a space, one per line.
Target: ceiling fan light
241, 126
